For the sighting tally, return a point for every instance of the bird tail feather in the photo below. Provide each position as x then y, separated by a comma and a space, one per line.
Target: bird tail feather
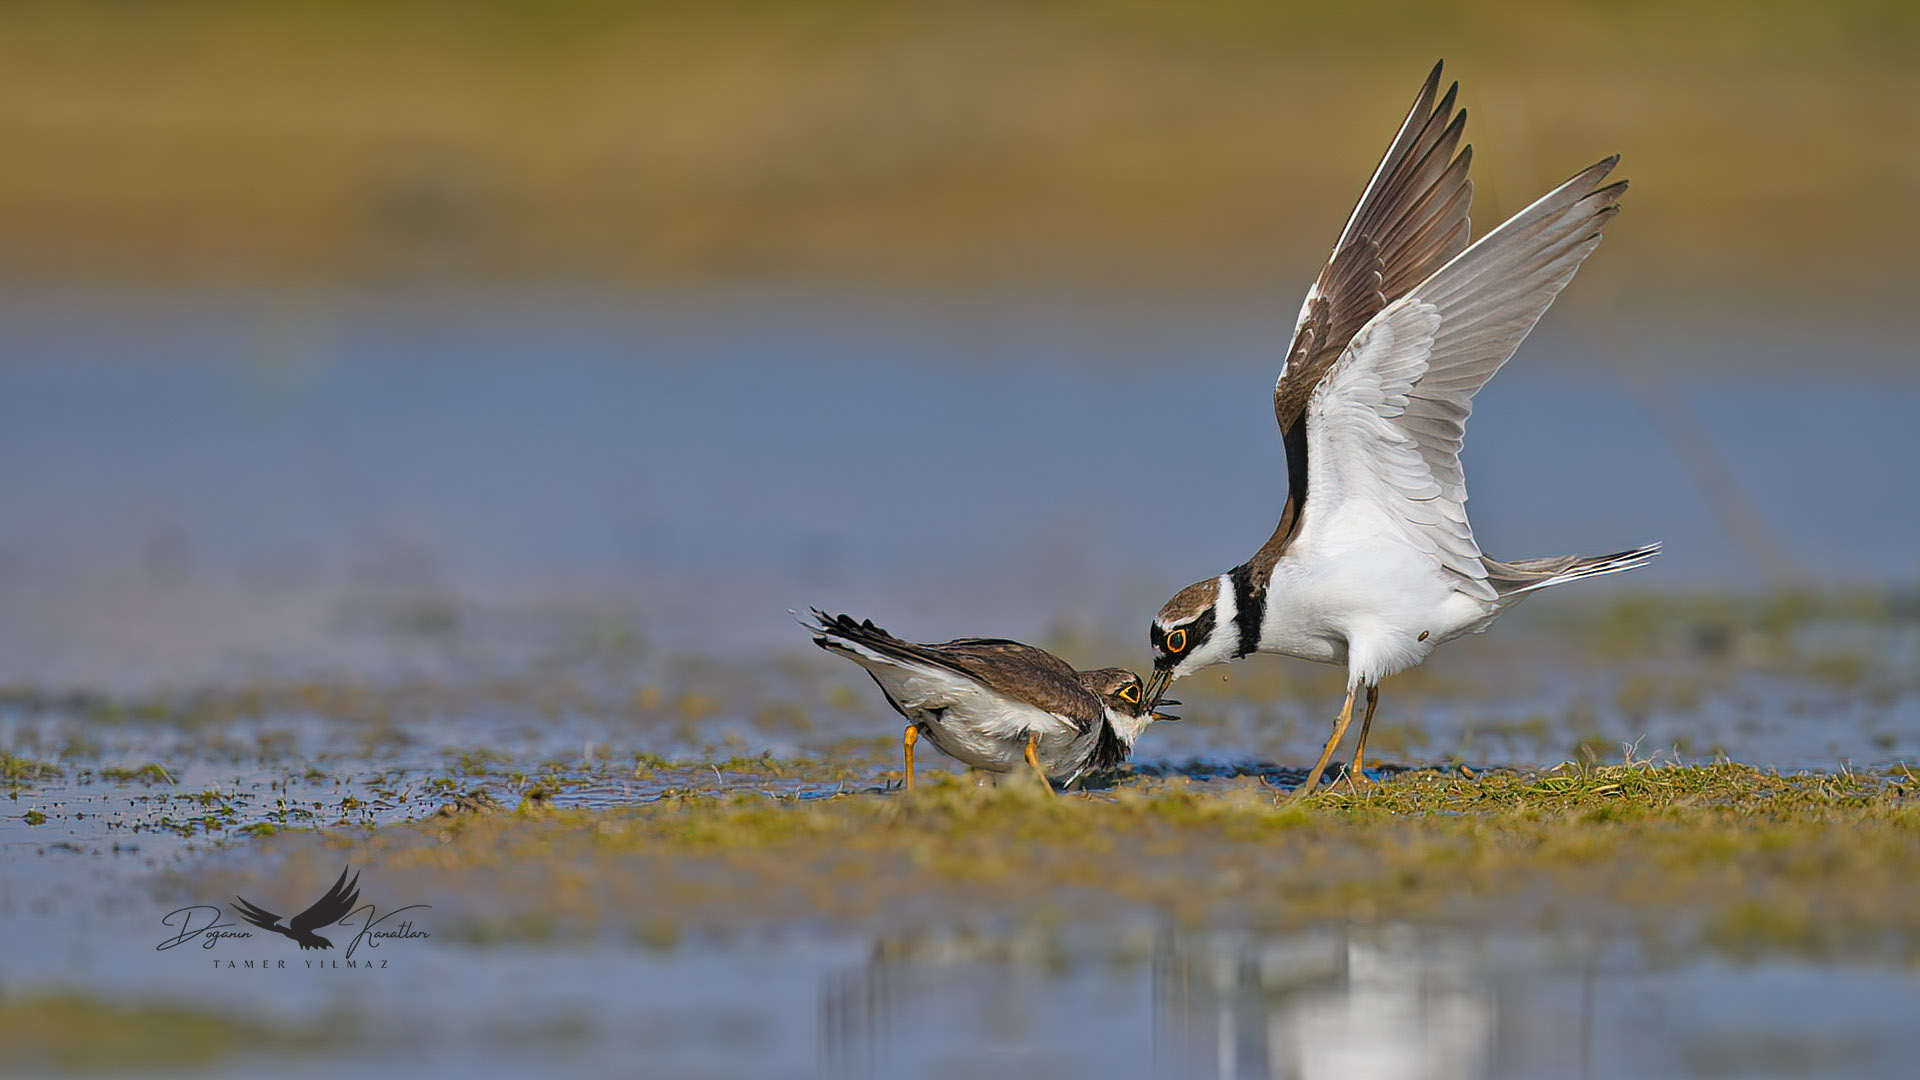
1516, 579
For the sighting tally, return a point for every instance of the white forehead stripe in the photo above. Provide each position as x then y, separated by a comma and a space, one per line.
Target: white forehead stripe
1225, 637
1222, 641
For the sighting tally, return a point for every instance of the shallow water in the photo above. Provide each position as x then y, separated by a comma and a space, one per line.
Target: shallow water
457, 550
197, 485
1362, 1000
84, 895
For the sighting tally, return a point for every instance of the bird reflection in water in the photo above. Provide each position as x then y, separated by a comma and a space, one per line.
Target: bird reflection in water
1353, 1005
1350, 1004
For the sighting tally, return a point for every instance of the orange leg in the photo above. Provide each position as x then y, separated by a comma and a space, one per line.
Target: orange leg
1033, 759
1339, 729
906, 746
1357, 776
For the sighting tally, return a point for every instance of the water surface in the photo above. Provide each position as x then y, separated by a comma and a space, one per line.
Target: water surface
246, 538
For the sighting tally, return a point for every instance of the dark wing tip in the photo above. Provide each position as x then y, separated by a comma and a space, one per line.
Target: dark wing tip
1604, 202
1598, 170
1423, 101
1592, 175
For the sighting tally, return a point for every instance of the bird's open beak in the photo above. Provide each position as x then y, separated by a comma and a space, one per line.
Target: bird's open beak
1157, 685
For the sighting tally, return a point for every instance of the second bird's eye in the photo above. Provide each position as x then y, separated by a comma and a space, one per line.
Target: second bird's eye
1177, 641
1130, 694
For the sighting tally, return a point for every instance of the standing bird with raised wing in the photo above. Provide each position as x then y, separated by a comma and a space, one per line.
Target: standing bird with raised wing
1373, 563
992, 703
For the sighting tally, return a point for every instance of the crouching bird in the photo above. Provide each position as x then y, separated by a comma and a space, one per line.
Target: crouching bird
992, 703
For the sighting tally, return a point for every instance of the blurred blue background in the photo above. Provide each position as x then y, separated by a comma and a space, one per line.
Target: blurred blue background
702, 313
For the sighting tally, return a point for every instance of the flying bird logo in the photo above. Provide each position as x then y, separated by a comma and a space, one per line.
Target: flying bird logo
326, 911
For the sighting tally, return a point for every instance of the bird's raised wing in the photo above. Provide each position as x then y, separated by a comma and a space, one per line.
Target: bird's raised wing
330, 908
257, 915
1410, 219
1384, 428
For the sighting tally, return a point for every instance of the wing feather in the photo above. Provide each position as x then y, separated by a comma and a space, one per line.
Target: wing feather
1386, 425
967, 666
1410, 219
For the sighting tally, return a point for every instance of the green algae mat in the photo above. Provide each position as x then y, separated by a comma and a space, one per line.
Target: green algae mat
1723, 856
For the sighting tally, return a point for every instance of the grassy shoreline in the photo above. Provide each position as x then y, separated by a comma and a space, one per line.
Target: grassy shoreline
1724, 857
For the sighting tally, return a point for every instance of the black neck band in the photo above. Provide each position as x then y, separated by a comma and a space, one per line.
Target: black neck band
1249, 610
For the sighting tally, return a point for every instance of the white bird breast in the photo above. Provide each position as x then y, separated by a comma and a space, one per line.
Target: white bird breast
1365, 604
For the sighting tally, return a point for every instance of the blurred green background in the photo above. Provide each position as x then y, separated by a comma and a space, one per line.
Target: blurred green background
1209, 145
422, 404
467, 297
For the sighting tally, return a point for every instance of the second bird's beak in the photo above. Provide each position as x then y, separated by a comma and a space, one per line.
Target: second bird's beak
1157, 685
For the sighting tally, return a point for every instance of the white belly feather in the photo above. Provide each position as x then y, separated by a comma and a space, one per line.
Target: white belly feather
1329, 606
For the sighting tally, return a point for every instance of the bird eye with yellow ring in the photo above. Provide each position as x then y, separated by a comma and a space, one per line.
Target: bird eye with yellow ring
1177, 641
1130, 694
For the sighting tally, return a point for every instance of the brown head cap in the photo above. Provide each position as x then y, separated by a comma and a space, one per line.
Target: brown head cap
1117, 687
1189, 602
